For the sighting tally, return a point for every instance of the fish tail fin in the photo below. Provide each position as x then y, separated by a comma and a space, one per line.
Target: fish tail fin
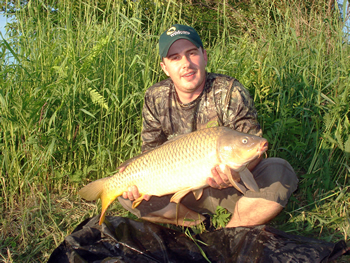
96, 190
93, 190
106, 201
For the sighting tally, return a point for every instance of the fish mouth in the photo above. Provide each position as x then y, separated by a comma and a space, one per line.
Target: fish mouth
263, 147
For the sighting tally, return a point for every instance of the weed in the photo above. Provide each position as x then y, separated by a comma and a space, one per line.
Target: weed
72, 94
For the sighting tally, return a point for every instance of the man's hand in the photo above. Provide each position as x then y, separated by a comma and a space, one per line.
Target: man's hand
133, 191
220, 177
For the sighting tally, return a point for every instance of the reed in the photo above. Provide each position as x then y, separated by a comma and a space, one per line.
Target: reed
72, 94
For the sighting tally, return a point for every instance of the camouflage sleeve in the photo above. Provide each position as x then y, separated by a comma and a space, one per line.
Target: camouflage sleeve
241, 114
152, 134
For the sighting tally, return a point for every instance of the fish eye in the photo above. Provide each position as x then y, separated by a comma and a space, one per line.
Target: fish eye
245, 140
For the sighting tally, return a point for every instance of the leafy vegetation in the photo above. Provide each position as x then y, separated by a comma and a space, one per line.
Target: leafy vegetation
72, 81
221, 217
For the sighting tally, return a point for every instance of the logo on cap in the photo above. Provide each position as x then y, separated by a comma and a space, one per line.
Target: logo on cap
172, 32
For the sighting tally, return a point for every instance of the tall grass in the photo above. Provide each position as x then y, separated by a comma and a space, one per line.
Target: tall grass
71, 103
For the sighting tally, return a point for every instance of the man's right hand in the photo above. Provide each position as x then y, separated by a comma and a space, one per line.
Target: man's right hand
133, 191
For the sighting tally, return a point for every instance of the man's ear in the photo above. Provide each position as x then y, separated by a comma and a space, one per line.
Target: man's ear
205, 55
164, 68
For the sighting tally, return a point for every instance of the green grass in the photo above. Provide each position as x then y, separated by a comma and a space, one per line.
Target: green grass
70, 110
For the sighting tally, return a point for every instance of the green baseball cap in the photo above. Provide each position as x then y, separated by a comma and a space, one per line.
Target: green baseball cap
176, 32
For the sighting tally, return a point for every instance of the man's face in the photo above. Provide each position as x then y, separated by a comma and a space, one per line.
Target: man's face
185, 65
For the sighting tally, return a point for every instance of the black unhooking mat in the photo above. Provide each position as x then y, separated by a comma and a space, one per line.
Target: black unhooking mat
125, 240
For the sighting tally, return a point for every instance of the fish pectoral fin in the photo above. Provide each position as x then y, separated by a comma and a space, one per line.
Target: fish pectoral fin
198, 193
226, 170
248, 179
137, 201
238, 186
176, 198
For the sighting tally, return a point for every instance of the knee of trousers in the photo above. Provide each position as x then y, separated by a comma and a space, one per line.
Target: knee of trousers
276, 179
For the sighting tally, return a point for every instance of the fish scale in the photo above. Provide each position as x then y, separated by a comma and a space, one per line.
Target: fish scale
179, 166
166, 160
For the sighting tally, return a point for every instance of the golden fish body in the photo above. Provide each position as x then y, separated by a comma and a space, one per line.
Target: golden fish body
179, 166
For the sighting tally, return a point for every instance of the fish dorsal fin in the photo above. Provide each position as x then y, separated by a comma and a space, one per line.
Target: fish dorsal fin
129, 161
177, 137
176, 198
248, 179
198, 193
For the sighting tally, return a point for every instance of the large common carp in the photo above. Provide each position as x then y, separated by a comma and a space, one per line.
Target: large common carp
180, 166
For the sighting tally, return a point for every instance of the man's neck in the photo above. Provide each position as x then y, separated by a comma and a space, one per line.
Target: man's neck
186, 98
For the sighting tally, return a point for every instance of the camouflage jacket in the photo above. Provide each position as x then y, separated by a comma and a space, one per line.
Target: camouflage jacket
223, 102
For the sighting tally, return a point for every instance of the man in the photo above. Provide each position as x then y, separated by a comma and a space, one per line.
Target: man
192, 99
